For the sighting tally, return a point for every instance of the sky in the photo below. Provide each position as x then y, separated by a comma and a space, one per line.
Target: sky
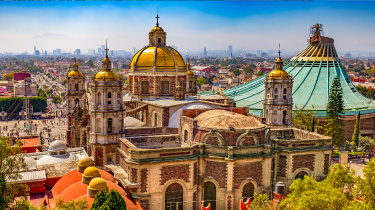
190, 25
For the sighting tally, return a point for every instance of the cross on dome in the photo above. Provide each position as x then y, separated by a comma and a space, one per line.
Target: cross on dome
106, 49
157, 17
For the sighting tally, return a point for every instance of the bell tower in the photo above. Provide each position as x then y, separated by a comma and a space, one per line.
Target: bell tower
278, 100
157, 36
75, 86
107, 114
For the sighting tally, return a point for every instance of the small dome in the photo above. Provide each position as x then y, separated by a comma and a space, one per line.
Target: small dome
279, 60
106, 59
86, 162
190, 73
57, 146
91, 171
278, 74
75, 73
106, 76
97, 184
159, 29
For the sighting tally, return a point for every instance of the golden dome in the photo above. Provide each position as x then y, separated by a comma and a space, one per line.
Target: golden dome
190, 73
97, 184
75, 73
86, 162
156, 28
278, 74
75, 65
91, 171
279, 60
166, 57
106, 76
106, 59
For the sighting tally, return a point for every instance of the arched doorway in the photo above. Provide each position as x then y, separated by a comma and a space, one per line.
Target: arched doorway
284, 117
301, 175
210, 195
248, 191
174, 196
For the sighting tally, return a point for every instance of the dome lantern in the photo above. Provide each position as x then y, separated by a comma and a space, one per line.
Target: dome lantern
157, 36
278, 73
75, 72
105, 74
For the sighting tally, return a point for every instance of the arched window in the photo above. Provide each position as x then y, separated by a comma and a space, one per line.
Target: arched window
144, 87
210, 195
186, 135
165, 87
248, 191
109, 126
77, 88
284, 118
284, 90
190, 84
77, 102
99, 98
155, 120
174, 197
275, 90
109, 94
301, 175
159, 40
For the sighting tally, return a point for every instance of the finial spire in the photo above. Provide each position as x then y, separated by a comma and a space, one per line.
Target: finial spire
279, 51
157, 17
106, 49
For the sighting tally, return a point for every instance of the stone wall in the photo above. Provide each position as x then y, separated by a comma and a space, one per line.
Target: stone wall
144, 181
282, 166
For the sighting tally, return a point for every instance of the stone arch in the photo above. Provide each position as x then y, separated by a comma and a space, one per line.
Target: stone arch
210, 194
154, 119
99, 100
169, 183
243, 136
186, 135
306, 170
214, 134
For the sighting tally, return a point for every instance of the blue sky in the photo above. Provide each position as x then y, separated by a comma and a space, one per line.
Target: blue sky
190, 25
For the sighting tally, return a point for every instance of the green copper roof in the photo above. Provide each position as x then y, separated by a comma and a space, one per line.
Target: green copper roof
313, 71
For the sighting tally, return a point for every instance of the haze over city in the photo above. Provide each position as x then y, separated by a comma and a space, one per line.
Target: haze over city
190, 26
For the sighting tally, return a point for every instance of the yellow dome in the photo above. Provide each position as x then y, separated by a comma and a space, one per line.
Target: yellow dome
75, 74
157, 29
106, 59
278, 74
279, 60
166, 60
106, 76
190, 73
86, 162
97, 184
91, 171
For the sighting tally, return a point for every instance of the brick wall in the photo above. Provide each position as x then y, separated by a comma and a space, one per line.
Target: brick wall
303, 161
195, 201
212, 140
99, 156
145, 204
218, 171
144, 177
326, 163
243, 171
134, 173
249, 140
124, 165
174, 172
229, 202
281, 166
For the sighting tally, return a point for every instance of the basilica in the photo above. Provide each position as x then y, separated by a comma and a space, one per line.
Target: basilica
174, 149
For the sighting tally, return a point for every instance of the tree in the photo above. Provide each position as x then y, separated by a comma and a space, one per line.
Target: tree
313, 195
11, 164
109, 201
366, 143
63, 94
80, 204
335, 105
8, 77
355, 137
249, 69
90, 63
200, 81
260, 202
305, 119
42, 93
335, 108
49, 92
340, 176
237, 72
366, 185
56, 99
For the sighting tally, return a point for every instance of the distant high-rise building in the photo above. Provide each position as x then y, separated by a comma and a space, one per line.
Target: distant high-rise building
103, 50
45, 52
34, 50
100, 51
58, 51
204, 52
78, 52
230, 49
259, 52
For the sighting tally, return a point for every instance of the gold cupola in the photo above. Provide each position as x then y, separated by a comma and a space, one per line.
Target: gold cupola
105, 74
278, 73
157, 56
75, 72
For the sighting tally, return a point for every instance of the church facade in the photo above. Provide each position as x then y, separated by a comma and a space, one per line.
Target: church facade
177, 150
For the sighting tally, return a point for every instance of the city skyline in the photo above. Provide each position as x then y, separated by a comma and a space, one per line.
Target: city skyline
190, 26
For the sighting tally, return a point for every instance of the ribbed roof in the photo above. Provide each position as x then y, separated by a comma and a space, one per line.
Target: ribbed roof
313, 71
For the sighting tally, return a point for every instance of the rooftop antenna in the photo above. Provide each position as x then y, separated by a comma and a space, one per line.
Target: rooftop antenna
157, 17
